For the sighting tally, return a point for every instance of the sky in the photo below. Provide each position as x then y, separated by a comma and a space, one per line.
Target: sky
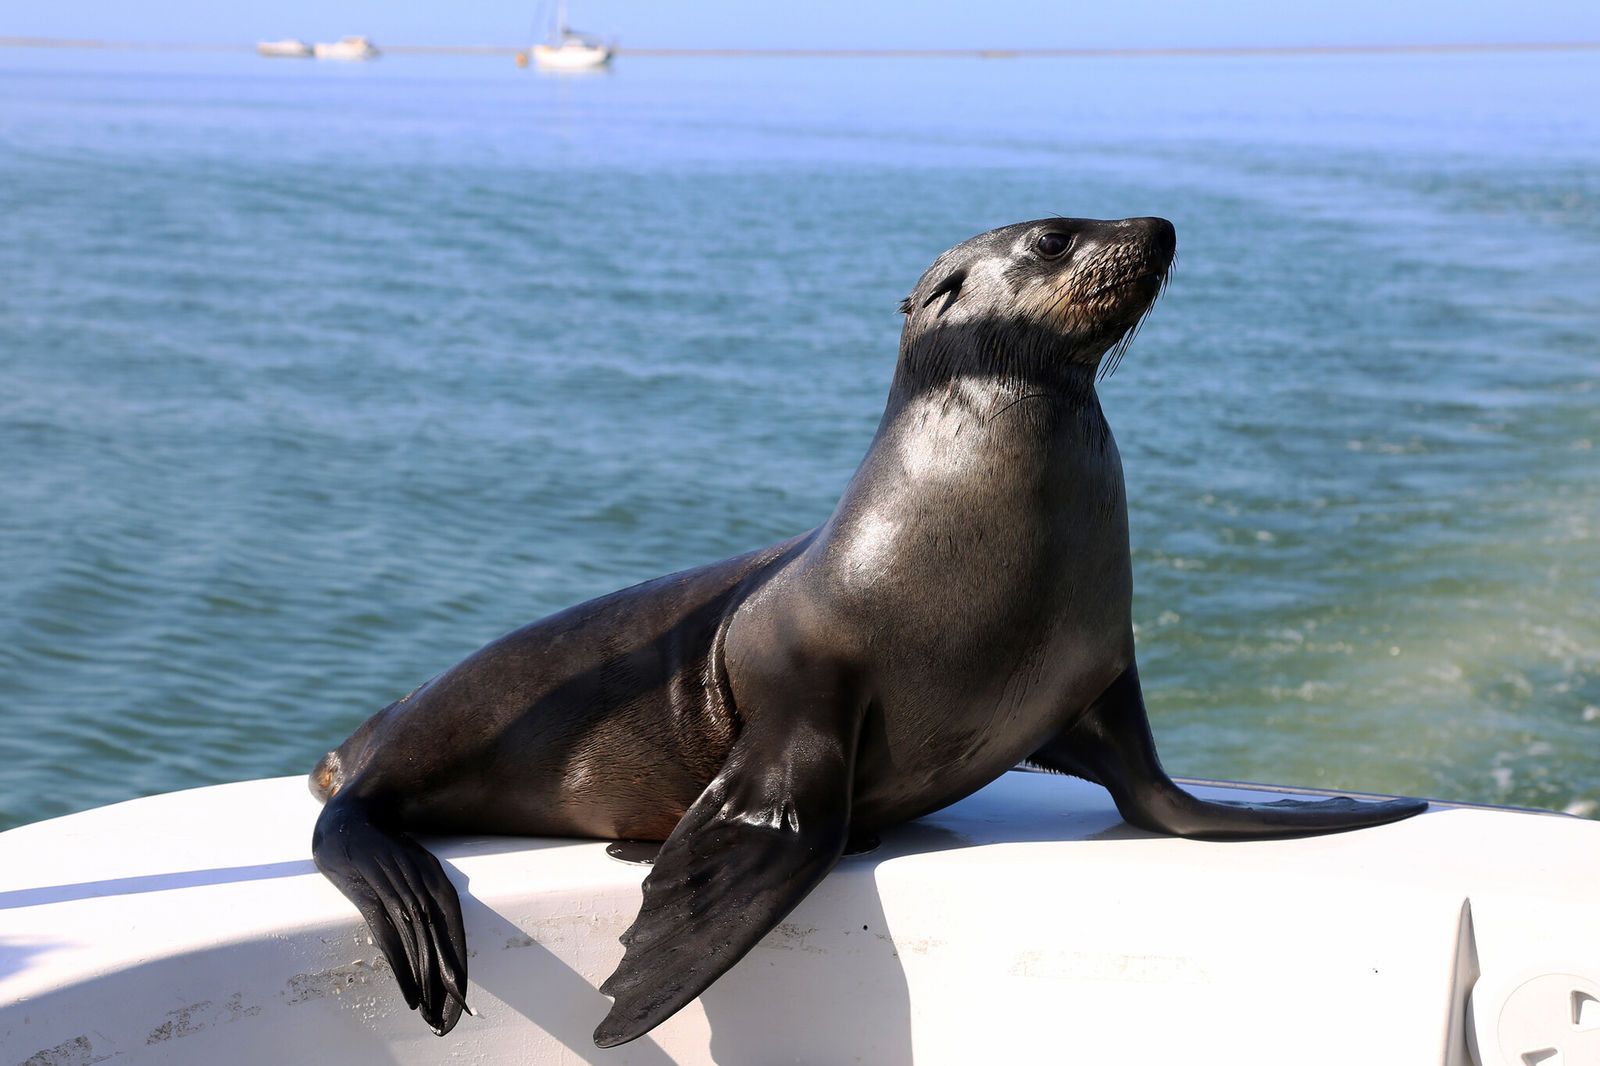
825, 23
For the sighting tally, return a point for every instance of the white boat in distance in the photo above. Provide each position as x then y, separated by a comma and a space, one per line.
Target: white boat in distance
570, 50
1026, 923
351, 49
284, 49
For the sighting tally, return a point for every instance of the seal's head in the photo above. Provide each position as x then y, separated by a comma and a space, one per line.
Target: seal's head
1036, 298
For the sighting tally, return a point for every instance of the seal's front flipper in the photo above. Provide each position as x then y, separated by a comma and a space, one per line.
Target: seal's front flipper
1112, 746
409, 904
761, 836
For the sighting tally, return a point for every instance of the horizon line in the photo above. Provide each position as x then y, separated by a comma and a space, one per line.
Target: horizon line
91, 44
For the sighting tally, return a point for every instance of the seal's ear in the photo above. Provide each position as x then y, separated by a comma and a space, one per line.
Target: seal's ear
949, 288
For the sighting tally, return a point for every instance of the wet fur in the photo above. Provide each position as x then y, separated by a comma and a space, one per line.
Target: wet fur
966, 606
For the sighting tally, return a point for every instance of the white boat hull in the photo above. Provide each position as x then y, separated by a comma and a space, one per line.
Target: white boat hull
348, 50
1024, 924
570, 57
284, 49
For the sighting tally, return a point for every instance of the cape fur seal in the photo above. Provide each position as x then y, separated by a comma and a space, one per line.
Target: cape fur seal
966, 606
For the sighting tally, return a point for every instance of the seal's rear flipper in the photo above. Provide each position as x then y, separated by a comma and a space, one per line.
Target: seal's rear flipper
759, 838
1111, 745
1182, 814
409, 904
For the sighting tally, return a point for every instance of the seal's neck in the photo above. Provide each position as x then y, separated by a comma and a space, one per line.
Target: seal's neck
974, 413
1017, 357
983, 375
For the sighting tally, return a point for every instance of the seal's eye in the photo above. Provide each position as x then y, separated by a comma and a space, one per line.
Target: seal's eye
1052, 245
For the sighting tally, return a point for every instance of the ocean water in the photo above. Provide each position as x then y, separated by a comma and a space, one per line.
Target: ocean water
314, 378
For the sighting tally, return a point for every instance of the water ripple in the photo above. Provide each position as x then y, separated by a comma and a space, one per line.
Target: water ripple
310, 389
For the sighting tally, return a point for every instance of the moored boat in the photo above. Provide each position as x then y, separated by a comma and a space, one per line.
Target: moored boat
349, 49
1026, 923
289, 49
570, 50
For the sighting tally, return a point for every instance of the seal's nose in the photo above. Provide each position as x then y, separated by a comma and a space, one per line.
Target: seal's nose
1162, 237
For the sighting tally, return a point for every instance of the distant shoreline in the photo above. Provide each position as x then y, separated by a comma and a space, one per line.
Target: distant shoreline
849, 53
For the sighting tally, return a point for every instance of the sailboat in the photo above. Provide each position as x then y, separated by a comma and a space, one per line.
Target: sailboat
569, 49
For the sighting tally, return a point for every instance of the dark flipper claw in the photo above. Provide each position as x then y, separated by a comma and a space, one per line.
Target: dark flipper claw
409, 904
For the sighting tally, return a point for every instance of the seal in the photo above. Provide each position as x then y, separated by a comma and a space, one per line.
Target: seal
966, 607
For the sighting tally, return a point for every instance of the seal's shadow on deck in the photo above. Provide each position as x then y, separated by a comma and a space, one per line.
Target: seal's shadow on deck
827, 985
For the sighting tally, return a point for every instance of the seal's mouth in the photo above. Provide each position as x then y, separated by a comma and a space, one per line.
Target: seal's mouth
1152, 277
1125, 303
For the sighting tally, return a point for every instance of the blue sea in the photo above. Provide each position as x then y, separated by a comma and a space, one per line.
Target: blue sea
314, 378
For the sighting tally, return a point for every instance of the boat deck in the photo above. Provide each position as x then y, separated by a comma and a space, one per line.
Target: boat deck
1027, 923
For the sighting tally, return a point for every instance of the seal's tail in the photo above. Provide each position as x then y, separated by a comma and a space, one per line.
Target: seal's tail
327, 777
1111, 745
408, 902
